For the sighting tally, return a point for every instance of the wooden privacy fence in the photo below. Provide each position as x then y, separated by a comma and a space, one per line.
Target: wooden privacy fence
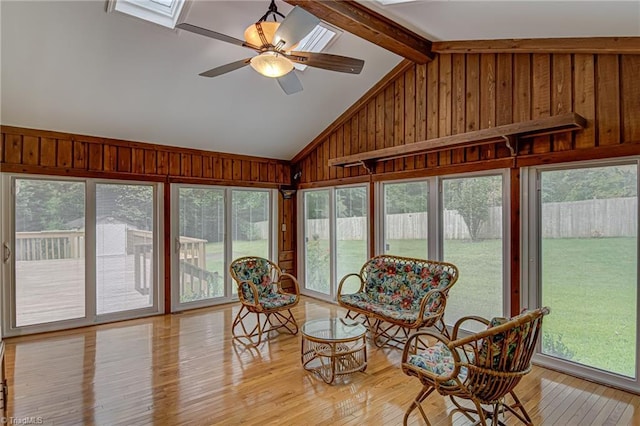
609, 217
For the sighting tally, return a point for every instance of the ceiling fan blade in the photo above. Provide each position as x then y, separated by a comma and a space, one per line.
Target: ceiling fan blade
328, 62
295, 27
218, 36
226, 68
290, 83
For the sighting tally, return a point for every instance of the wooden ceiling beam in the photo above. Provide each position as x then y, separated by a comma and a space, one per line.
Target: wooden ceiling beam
371, 26
589, 45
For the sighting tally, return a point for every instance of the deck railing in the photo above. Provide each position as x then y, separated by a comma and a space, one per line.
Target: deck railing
47, 245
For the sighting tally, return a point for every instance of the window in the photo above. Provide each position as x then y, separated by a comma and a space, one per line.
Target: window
406, 221
472, 231
583, 243
335, 237
211, 227
317, 40
162, 12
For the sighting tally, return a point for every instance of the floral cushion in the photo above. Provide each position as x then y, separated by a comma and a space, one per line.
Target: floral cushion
402, 283
494, 346
392, 311
277, 300
437, 360
258, 271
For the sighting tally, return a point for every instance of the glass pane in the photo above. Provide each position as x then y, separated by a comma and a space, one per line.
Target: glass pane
472, 233
124, 247
589, 266
316, 249
49, 251
351, 235
201, 229
405, 219
249, 225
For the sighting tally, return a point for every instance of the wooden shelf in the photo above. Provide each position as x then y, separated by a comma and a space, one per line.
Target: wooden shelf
510, 133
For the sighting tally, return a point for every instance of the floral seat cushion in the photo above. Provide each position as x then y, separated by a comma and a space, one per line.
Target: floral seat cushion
438, 361
277, 300
491, 351
258, 271
392, 311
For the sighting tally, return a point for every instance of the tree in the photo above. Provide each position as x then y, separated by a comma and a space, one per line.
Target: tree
472, 198
590, 183
411, 197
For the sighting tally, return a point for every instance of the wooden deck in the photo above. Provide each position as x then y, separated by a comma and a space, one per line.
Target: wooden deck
185, 369
50, 290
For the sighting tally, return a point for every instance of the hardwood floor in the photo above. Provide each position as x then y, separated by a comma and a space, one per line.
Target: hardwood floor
184, 369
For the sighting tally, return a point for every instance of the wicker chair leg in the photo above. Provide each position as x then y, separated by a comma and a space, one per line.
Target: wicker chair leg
284, 321
417, 403
246, 334
523, 415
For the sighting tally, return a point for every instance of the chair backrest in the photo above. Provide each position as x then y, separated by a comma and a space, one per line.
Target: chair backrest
258, 270
396, 280
497, 358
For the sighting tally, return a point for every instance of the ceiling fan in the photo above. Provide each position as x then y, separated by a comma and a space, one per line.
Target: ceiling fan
274, 42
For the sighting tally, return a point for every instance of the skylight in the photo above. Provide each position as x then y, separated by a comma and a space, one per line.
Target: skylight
391, 2
162, 12
317, 40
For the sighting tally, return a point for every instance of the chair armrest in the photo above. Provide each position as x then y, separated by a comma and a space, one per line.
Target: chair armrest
254, 290
295, 284
462, 320
425, 299
344, 279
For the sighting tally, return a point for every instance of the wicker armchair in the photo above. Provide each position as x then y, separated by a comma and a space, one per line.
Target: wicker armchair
484, 367
260, 292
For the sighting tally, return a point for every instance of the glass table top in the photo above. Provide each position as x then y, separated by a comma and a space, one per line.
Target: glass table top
330, 329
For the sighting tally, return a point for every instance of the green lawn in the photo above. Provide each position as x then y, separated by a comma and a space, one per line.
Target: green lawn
589, 284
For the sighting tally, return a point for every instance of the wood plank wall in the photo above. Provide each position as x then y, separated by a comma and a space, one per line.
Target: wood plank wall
64, 154
457, 93
462, 92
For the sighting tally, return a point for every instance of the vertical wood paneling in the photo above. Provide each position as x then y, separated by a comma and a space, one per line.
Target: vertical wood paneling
79, 155
433, 102
398, 119
504, 89
332, 154
218, 166
207, 166
13, 149
409, 113
472, 115
371, 125
30, 150
185, 165
48, 153
110, 162
196, 165
444, 104
584, 98
137, 157
541, 97
346, 129
339, 151
124, 159
522, 94
162, 162
487, 109
630, 64
175, 162
388, 123
608, 99
561, 96
65, 153
362, 135
227, 169
150, 166
246, 170
380, 120
459, 109
237, 170
96, 156
255, 171
354, 142
421, 110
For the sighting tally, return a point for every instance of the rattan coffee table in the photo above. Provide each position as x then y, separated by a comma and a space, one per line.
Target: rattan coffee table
333, 347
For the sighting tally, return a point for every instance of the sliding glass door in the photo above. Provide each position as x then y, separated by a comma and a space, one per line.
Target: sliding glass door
77, 252
585, 247
211, 227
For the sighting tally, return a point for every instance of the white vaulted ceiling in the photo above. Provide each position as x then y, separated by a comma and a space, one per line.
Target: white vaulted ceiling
73, 67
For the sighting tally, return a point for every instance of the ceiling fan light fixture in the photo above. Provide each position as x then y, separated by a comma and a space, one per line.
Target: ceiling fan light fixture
271, 64
252, 34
